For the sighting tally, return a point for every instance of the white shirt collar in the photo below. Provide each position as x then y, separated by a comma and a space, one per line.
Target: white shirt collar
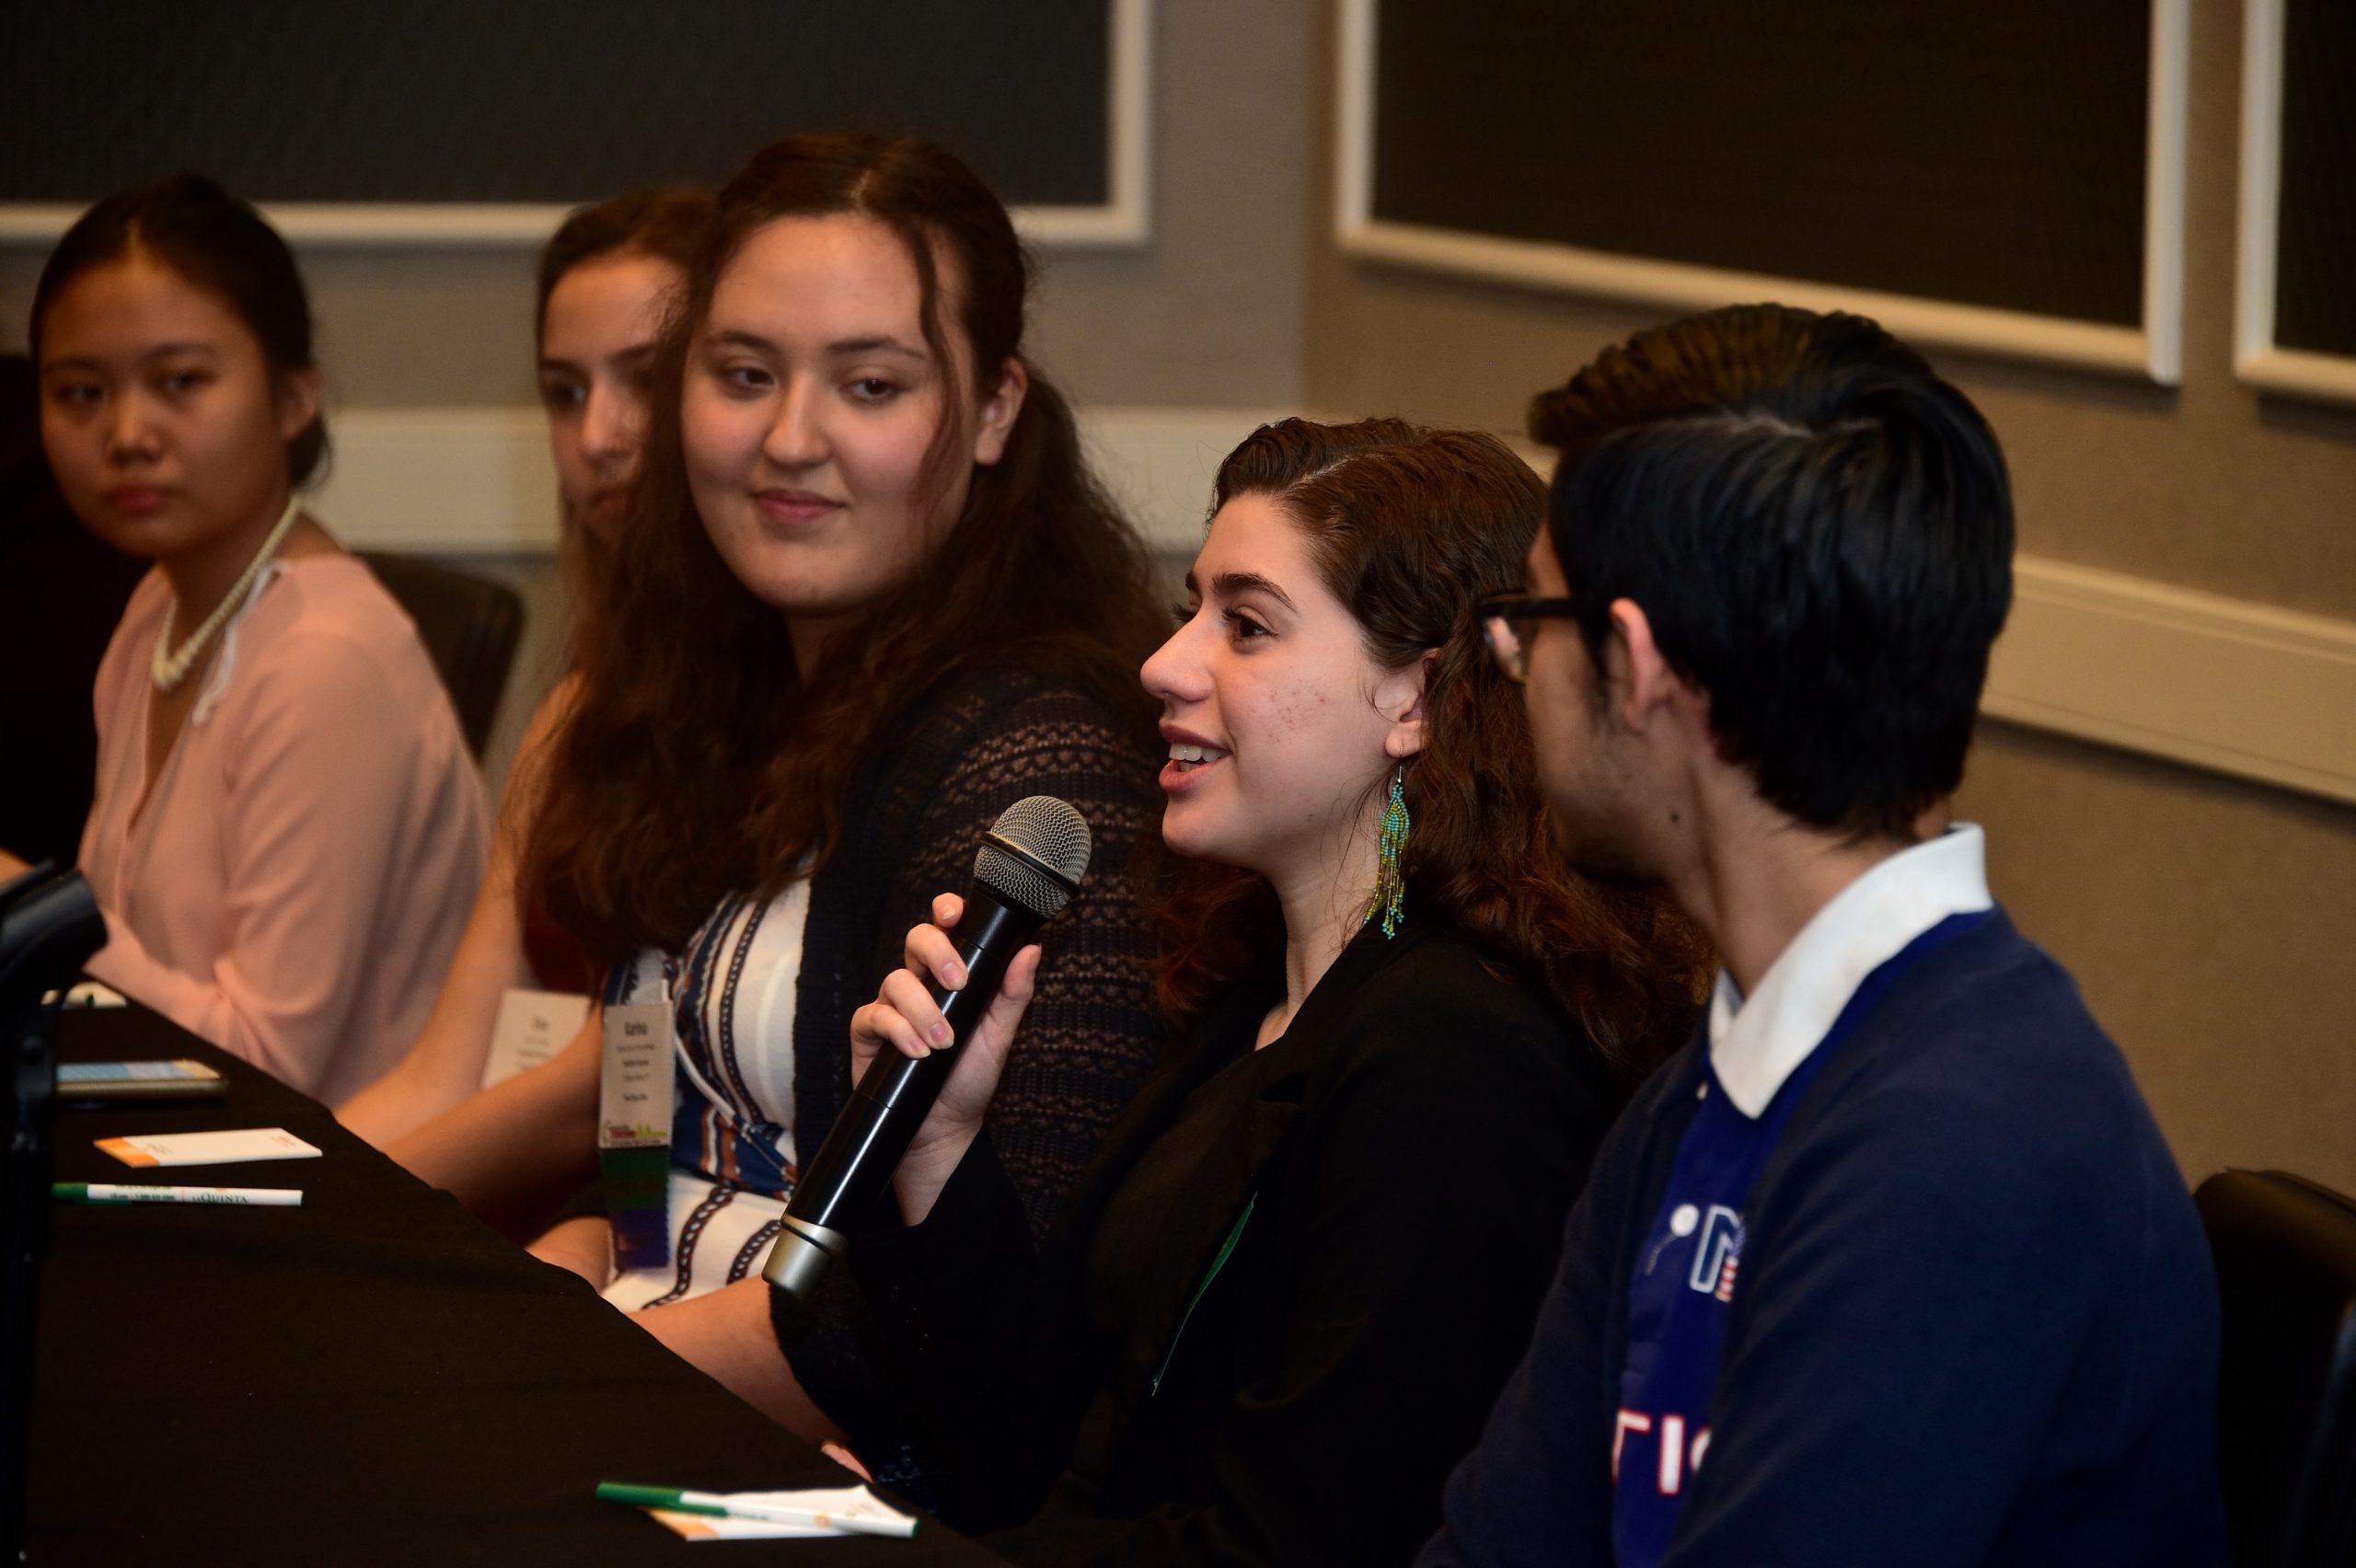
1756, 1041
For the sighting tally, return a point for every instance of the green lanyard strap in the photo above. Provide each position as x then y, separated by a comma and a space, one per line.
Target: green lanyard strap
1226, 1248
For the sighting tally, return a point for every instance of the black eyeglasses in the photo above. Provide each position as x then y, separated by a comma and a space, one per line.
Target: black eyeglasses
1503, 625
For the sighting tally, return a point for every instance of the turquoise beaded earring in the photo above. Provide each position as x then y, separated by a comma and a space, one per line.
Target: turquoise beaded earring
1389, 883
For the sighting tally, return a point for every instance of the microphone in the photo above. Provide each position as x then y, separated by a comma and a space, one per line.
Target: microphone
1029, 866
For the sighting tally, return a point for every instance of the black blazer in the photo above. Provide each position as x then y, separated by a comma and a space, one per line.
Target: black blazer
1408, 1170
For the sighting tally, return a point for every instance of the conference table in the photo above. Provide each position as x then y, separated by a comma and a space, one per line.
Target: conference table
374, 1376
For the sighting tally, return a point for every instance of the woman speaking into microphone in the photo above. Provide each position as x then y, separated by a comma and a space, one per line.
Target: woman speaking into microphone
1279, 1305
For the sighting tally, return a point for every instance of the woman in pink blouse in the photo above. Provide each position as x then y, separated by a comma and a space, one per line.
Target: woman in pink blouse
288, 829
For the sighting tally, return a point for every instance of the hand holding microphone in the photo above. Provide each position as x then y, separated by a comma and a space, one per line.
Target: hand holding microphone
906, 1017
1030, 864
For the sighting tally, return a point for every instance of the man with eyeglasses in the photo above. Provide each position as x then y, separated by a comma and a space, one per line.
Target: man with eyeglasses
1892, 1265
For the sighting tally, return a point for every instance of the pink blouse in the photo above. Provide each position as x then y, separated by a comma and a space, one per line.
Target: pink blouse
294, 886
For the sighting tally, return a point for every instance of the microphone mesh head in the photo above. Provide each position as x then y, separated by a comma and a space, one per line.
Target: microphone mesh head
1050, 831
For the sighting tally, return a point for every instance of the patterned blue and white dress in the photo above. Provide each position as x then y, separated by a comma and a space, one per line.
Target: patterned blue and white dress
732, 1165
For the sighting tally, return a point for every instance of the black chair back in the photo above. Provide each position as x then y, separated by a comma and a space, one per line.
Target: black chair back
469, 625
2286, 1276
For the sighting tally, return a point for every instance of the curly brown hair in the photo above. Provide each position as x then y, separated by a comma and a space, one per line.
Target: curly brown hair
1410, 528
698, 758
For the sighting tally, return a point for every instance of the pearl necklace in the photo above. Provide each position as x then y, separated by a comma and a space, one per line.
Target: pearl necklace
168, 669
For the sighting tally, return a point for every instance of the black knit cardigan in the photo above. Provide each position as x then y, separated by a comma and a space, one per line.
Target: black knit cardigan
962, 753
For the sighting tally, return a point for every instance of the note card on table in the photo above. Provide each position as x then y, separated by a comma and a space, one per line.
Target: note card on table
847, 1510
532, 1027
210, 1148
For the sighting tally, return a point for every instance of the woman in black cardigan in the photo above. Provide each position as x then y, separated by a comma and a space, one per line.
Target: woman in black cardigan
1279, 1304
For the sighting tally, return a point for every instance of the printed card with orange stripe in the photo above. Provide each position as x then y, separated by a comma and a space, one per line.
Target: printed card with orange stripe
210, 1148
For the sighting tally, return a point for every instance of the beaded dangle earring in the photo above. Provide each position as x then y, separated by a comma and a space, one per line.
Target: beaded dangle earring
1391, 883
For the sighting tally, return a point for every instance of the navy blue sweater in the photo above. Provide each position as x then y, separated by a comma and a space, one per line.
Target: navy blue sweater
1976, 1323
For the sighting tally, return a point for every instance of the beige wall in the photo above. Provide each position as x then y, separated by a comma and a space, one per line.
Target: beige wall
2211, 923
1213, 313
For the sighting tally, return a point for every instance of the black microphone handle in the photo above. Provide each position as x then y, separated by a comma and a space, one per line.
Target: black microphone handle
841, 1183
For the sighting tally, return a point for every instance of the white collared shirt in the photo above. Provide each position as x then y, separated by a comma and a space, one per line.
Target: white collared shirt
1756, 1041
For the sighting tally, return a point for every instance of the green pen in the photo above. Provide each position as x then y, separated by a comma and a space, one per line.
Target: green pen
135, 1192
724, 1507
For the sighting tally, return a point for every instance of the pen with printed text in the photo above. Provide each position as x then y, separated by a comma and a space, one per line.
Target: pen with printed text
118, 1193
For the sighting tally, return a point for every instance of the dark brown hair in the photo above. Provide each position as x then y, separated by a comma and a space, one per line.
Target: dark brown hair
1410, 528
667, 223
699, 758
217, 243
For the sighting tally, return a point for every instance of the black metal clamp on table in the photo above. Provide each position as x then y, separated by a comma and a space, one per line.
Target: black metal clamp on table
49, 926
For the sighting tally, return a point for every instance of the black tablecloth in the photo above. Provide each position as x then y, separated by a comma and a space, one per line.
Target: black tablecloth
373, 1377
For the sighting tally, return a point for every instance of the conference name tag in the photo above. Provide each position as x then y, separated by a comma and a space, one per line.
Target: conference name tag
634, 1086
532, 1027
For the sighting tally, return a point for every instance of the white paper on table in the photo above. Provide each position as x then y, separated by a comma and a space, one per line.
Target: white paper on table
236, 1148
532, 1027
844, 1502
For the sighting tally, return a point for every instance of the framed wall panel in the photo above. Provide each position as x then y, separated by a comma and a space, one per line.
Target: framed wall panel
441, 122
1999, 175
2295, 317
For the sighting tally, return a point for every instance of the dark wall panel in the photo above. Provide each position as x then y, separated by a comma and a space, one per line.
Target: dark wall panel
536, 100
1985, 152
2314, 267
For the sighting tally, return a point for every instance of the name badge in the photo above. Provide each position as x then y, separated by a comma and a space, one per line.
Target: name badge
634, 1086
532, 1027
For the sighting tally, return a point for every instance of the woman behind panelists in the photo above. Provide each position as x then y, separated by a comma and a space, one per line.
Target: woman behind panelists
606, 280
865, 597
1278, 1309
287, 826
